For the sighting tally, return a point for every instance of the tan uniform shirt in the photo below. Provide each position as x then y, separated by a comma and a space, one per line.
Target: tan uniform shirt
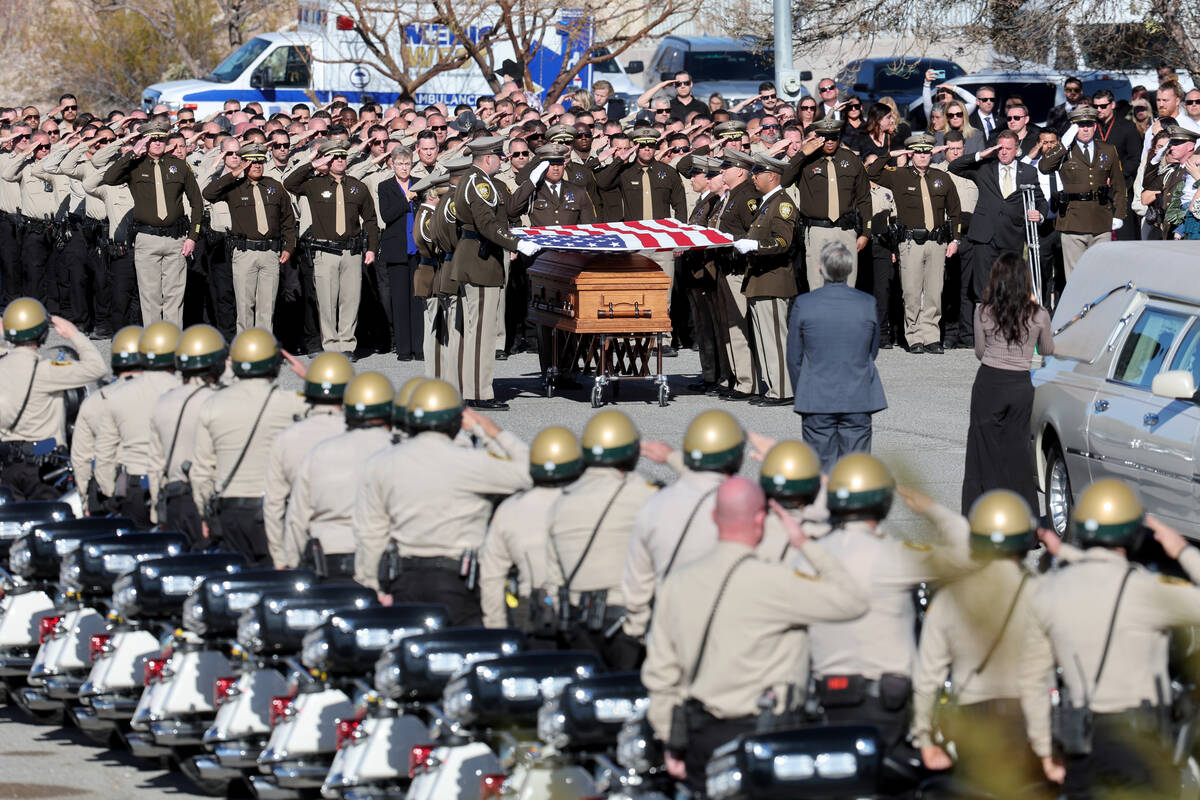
758, 639
516, 537
10, 191
124, 437
87, 425
178, 409
576, 514
677, 516
40, 191
1071, 612
118, 201
223, 429
432, 497
320, 422
321, 505
43, 417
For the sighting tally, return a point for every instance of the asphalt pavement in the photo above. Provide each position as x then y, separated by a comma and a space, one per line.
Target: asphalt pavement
921, 436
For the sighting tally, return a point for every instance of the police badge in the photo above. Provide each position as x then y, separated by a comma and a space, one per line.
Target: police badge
937, 183
816, 171
327, 194
172, 169
844, 164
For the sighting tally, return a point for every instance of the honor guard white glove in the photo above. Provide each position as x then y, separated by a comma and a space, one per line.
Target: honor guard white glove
528, 248
744, 246
539, 171
1118, 224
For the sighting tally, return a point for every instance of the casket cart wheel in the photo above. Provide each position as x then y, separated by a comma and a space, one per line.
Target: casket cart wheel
664, 394
597, 395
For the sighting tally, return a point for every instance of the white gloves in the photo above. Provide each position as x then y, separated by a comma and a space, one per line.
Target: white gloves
528, 248
539, 171
744, 246
1118, 224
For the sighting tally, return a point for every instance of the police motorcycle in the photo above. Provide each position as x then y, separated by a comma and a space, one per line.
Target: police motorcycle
269, 637
147, 603
640, 772
375, 745
27, 612
336, 655
488, 722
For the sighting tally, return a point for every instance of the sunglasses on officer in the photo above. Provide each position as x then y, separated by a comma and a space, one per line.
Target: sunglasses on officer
683, 83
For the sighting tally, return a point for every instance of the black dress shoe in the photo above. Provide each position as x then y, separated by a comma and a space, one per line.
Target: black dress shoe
501, 355
916, 349
669, 352
404, 357
488, 405
700, 387
935, 348
717, 390
774, 401
734, 394
886, 345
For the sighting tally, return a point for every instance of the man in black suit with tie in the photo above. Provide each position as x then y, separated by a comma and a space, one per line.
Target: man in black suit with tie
398, 250
998, 224
1016, 118
985, 117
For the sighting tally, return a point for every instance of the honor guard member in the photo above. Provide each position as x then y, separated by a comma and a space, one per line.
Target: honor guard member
126, 364
1091, 204
124, 307
1106, 622
516, 540
590, 529
434, 498
123, 443
32, 408
730, 627
973, 633
429, 189
234, 434
834, 196
731, 135
699, 274
928, 211
165, 236
344, 237
863, 667
481, 208
318, 529
675, 526
263, 237
734, 215
448, 324
791, 476
578, 169
324, 387
200, 362
770, 281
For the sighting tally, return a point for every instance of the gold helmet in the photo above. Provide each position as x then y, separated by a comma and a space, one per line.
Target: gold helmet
157, 344
327, 377
403, 395
1001, 524
435, 405
368, 397
791, 473
200, 347
555, 456
715, 442
25, 320
610, 439
255, 353
124, 352
860, 487
1108, 514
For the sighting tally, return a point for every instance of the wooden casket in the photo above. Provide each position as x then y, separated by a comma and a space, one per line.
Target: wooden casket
601, 293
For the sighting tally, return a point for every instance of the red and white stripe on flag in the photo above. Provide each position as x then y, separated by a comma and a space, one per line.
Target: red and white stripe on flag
649, 234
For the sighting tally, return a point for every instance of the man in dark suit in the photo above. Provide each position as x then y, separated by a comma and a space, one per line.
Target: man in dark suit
1123, 135
398, 251
998, 225
1016, 117
833, 338
986, 117
1057, 120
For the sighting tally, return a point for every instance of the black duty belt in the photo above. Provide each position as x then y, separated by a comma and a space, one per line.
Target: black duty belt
173, 231
177, 489
36, 225
428, 262
243, 243
352, 243
467, 233
451, 564
842, 223
238, 502
119, 249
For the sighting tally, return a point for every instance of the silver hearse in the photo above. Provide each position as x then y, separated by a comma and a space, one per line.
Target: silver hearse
1118, 397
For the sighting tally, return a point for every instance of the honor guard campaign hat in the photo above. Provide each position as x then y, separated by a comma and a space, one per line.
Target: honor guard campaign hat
920, 143
334, 148
764, 163
1083, 115
254, 153
828, 127
487, 146
155, 130
560, 133
553, 152
736, 158
731, 129
457, 166
643, 136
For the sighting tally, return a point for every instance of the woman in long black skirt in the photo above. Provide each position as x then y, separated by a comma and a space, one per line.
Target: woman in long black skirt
1009, 323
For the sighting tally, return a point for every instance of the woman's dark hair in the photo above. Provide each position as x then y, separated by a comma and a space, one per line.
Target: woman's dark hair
875, 116
1009, 295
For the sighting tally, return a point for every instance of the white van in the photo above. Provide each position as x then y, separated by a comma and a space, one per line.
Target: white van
325, 56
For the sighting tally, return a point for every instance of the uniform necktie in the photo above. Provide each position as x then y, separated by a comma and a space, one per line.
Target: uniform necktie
339, 219
554, 190
160, 194
1006, 186
647, 200
926, 203
831, 175
260, 210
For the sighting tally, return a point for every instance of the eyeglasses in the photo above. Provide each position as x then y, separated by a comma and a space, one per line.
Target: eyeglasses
1106, 105
581, 134
678, 150
341, 157
231, 153
854, 106
770, 127
32, 116
808, 108
437, 127
70, 108
824, 89
769, 96
230, 112
519, 154
209, 136
1015, 117
1191, 102
42, 147
985, 99
662, 111
683, 83
279, 146
955, 115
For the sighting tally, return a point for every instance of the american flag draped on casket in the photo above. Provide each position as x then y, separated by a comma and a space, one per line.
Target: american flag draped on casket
649, 234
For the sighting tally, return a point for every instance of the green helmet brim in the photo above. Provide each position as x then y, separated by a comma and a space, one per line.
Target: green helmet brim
251, 369
361, 412
1002, 544
188, 363
158, 360
802, 489
1115, 535
29, 334
324, 391
121, 360
855, 501
601, 456
721, 459
552, 471
419, 418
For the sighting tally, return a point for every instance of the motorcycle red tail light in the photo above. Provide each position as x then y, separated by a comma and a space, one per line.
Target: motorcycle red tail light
280, 708
46, 627
221, 689
418, 759
491, 787
346, 729
153, 668
96, 645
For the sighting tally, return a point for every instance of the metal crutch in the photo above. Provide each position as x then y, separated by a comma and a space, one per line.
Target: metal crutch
1033, 246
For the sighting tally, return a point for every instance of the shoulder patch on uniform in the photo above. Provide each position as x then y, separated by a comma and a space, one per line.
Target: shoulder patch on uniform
484, 190
805, 575
449, 213
1171, 580
752, 204
920, 548
786, 209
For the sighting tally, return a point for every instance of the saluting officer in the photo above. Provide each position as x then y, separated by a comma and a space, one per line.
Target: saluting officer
234, 433
547, 197
734, 215
516, 537
429, 189
730, 627
1093, 188
164, 236
770, 281
1106, 621
834, 196
324, 386
448, 322
264, 234
697, 271
434, 499
200, 362
791, 476
126, 364
344, 238
927, 206
123, 442
590, 529
675, 526
31, 407
124, 305
321, 505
